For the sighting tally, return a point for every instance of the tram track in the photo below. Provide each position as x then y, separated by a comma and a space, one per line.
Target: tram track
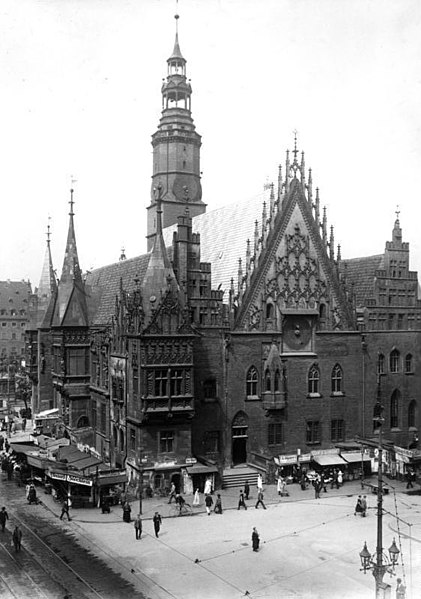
52, 563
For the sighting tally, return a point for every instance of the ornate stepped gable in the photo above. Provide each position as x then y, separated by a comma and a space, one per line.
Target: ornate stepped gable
293, 265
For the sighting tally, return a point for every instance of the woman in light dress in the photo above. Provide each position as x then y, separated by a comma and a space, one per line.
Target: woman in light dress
196, 499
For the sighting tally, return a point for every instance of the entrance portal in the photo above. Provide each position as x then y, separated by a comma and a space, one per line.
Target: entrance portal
239, 438
239, 450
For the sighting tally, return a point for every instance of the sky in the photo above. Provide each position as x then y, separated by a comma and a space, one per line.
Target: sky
80, 97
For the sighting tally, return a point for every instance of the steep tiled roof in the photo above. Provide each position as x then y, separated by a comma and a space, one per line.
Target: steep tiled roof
223, 237
14, 295
361, 273
103, 284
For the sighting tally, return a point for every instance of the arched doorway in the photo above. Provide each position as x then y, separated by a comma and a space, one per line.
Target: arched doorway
239, 434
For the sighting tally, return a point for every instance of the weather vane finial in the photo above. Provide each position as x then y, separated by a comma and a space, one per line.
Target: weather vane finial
48, 229
397, 212
72, 182
295, 132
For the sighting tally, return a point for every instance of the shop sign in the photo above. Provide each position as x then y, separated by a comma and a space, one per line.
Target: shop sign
71, 478
403, 452
191, 461
287, 458
304, 457
79, 480
57, 475
332, 451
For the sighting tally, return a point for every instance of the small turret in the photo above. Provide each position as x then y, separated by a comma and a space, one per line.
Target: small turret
331, 245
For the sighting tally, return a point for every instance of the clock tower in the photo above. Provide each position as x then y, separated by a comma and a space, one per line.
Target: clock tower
176, 150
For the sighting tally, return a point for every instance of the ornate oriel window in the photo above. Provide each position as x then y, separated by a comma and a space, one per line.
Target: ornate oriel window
251, 382
268, 381
314, 380
337, 379
394, 360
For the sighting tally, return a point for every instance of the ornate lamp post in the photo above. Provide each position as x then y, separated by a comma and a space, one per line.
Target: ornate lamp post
382, 563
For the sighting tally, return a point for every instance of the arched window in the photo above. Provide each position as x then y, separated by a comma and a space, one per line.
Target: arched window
82, 422
337, 377
269, 311
268, 381
394, 409
115, 436
394, 360
277, 386
412, 414
251, 382
313, 379
380, 364
121, 440
408, 363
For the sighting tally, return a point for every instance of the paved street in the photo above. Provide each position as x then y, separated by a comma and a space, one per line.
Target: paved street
309, 548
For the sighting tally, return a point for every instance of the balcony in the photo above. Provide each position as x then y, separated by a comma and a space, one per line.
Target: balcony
168, 405
273, 401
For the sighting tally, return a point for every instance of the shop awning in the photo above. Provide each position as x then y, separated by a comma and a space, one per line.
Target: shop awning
329, 460
47, 442
201, 469
111, 479
284, 460
24, 448
353, 457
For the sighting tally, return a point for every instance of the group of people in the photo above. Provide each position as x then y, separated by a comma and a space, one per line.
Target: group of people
138, 525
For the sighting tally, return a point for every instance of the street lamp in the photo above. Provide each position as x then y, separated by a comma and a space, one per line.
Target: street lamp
382, 563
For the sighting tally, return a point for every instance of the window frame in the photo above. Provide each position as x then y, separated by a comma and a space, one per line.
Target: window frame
252, 381
313, 381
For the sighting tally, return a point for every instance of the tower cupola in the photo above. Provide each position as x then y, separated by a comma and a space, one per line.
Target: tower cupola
176, 149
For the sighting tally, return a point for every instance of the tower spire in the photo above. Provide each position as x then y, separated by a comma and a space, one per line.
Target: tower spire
48, 284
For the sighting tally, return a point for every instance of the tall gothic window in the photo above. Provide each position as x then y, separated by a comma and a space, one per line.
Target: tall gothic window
412, 414
251, 382
275, 433
380, 364
161, 380
166, 441
313, 432
176, 382
337, 377
337, 430
313, 379
408, 363
394, 409
394, 360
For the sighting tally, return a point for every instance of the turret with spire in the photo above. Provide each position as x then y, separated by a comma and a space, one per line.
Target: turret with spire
176, 149
71, 306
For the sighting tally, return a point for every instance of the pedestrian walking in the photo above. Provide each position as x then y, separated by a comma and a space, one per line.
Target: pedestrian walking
409, 484
241, 502
208, 503
157, 521
364, 506
303, 481
173, 493
317, 484
23, 424
340, 479
1, 442
208, 487
17, 538
218, 505
358, 506
127, 512
255, 539
259, 482
334, 479
65, 509
138, 526
196, 498
260, 500
323, 482
246, 490
400, 589
4, 516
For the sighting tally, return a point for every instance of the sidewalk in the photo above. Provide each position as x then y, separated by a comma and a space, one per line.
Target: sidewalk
229, 501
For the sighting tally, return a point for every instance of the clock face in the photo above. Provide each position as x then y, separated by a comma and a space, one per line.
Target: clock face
186, 188
297, 332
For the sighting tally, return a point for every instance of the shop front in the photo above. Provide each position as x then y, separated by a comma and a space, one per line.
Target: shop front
79, 489
199, 474
326, 460
358, 464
